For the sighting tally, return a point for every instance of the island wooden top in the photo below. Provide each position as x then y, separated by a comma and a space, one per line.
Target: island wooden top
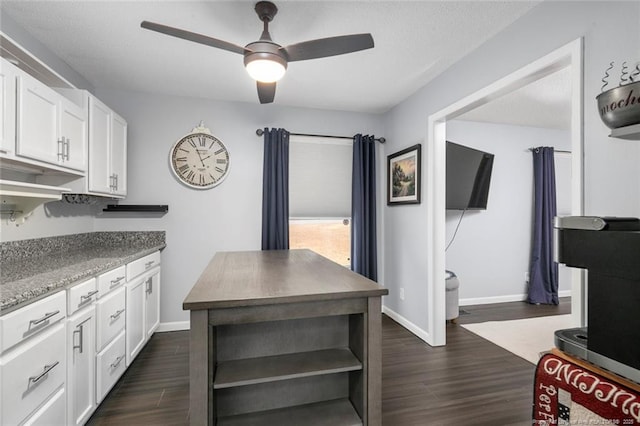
250, 278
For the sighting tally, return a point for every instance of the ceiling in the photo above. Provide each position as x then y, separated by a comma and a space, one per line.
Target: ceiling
414, 42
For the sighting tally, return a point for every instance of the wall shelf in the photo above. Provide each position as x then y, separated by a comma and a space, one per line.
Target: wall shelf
144, 208
628, 132
19, 199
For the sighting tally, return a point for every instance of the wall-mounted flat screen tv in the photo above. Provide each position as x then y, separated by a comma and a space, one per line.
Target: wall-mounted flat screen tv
468, 177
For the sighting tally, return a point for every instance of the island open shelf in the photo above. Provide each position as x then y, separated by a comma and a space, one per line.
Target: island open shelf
283, 335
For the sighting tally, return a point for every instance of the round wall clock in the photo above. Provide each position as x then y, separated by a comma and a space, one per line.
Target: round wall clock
199, 159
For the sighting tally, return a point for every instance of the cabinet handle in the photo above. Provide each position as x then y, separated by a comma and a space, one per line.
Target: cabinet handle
61, 149
47, 369
149, 289
148, 265
80, 344
87, 297
117, 314
44, 318
115, 177
67, 142
116, 281
117, 361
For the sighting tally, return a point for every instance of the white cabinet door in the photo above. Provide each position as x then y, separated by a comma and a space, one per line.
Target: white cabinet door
110, 365
152, 303
107, 150
100, 179
73, 132
119, 154
37, 120
136, 336
81, 366
110, 317
7, 107
31, 372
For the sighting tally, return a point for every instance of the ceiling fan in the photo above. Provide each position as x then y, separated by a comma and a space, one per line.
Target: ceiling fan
265, 60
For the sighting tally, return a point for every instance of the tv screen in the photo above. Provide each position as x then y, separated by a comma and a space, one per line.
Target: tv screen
468, 177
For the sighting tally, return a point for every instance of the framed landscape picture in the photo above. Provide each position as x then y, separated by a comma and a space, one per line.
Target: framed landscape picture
403, 176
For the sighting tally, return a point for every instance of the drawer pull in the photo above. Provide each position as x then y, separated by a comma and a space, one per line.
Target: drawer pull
148, 264
117, 362
116, 281
117, 314
44, 318
80, 332
87, 297
47, 369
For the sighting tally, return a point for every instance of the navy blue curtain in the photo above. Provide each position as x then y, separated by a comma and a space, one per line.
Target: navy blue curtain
543, 272
275, 190
363, 208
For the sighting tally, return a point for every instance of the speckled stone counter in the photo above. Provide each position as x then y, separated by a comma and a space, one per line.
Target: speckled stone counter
32, 269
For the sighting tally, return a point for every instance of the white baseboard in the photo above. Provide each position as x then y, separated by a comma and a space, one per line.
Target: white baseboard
420, 333
503, 299
173, 326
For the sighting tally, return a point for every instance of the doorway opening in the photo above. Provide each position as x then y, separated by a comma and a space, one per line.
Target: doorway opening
570, 57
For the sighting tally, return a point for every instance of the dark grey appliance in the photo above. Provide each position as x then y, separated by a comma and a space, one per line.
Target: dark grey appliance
609, 248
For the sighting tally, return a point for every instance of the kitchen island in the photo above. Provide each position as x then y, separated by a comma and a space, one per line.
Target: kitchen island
284, 337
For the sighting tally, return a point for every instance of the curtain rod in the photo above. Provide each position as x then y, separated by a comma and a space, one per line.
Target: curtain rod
555, 150
260, 132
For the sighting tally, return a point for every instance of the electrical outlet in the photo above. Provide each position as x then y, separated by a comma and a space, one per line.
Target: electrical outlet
401, 293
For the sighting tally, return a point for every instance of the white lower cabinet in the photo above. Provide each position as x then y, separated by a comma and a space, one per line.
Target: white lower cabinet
152, 303
81, 359
110, 314
110, 365
60, 356
136, 335
53, 413
31, 373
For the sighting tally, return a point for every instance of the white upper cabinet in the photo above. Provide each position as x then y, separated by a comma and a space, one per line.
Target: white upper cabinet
7, 107
99, 150
37, 132
50, 128
73, 127
119, 154
107, 150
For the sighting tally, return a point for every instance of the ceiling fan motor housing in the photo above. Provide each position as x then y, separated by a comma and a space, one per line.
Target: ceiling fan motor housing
265, 50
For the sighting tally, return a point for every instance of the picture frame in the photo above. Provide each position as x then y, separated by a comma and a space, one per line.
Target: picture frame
403, 176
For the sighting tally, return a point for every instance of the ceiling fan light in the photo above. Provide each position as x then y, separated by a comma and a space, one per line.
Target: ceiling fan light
265, 70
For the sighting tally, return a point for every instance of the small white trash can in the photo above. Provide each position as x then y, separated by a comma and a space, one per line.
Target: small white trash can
451, 296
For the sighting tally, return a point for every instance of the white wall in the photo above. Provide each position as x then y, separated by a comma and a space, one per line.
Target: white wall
610, 32
491, 251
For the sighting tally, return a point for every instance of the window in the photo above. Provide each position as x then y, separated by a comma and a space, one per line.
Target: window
320, 196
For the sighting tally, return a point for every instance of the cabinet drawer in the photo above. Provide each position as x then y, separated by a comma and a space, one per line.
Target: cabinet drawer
81, 295
110, 314
25, 322
111, 280
142, 265
32, 372
110, 364
54, 412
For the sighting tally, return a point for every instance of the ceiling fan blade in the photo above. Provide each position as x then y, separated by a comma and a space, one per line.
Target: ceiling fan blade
198, 38
331, 46
266, 92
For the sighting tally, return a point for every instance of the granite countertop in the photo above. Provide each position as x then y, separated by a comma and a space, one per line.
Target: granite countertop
33, 269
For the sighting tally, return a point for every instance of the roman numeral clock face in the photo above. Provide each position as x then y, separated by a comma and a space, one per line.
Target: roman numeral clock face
200, 160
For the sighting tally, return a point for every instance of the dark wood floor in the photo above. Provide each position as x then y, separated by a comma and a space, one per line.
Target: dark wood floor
470, 381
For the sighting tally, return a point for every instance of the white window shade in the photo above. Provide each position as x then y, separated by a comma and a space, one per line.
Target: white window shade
319, 177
